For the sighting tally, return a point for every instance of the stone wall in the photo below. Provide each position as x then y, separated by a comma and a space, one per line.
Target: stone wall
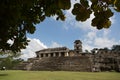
107, 60
78, 63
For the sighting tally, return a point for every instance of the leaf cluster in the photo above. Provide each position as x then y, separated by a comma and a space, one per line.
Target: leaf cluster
102, 10
19, 17
82, 10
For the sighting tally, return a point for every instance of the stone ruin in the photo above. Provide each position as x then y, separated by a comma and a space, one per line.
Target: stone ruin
63, 59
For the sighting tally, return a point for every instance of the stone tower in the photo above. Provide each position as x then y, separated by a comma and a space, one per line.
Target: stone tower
77, 46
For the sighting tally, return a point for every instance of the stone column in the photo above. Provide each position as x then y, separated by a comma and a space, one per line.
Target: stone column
54, 55
59, 54
39, 56
44, 55
49, 55
67, 54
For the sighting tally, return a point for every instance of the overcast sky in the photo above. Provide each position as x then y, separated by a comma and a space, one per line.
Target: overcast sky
52, 33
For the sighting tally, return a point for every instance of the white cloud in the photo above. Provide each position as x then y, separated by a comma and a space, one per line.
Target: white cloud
103, 42
113, 19
34, 45
55, 44
87, 47
106, 33
96, 39
85, 25
91, 35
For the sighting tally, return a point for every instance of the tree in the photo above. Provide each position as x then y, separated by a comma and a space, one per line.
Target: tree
86, 51
9, 63
116, 47
9, 59
94, 51
19, 17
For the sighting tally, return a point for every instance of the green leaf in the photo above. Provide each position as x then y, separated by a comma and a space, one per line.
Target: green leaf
117, 5
64, 4
84, 3
94, 1
107, 24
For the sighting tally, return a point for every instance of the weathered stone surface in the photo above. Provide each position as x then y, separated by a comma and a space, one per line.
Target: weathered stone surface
76, 63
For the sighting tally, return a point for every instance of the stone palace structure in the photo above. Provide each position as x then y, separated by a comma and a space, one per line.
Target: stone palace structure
64, 59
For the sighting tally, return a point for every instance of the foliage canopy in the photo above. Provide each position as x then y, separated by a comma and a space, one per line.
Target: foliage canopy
18, 17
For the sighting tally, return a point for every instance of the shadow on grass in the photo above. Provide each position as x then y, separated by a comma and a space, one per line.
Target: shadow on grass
3, 74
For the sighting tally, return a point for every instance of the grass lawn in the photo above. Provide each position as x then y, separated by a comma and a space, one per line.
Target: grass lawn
58, 75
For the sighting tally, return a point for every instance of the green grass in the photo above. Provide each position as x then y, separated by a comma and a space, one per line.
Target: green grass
58, 75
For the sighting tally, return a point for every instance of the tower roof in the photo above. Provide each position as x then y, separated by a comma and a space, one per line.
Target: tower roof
77, 41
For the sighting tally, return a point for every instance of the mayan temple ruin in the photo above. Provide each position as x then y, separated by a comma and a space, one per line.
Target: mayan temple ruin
64, 59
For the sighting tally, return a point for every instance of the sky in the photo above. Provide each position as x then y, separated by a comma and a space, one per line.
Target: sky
52, 33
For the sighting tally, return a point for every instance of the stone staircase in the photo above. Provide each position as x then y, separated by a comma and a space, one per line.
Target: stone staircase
63, 63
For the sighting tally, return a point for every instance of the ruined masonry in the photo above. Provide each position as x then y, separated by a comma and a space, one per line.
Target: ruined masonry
64, 59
